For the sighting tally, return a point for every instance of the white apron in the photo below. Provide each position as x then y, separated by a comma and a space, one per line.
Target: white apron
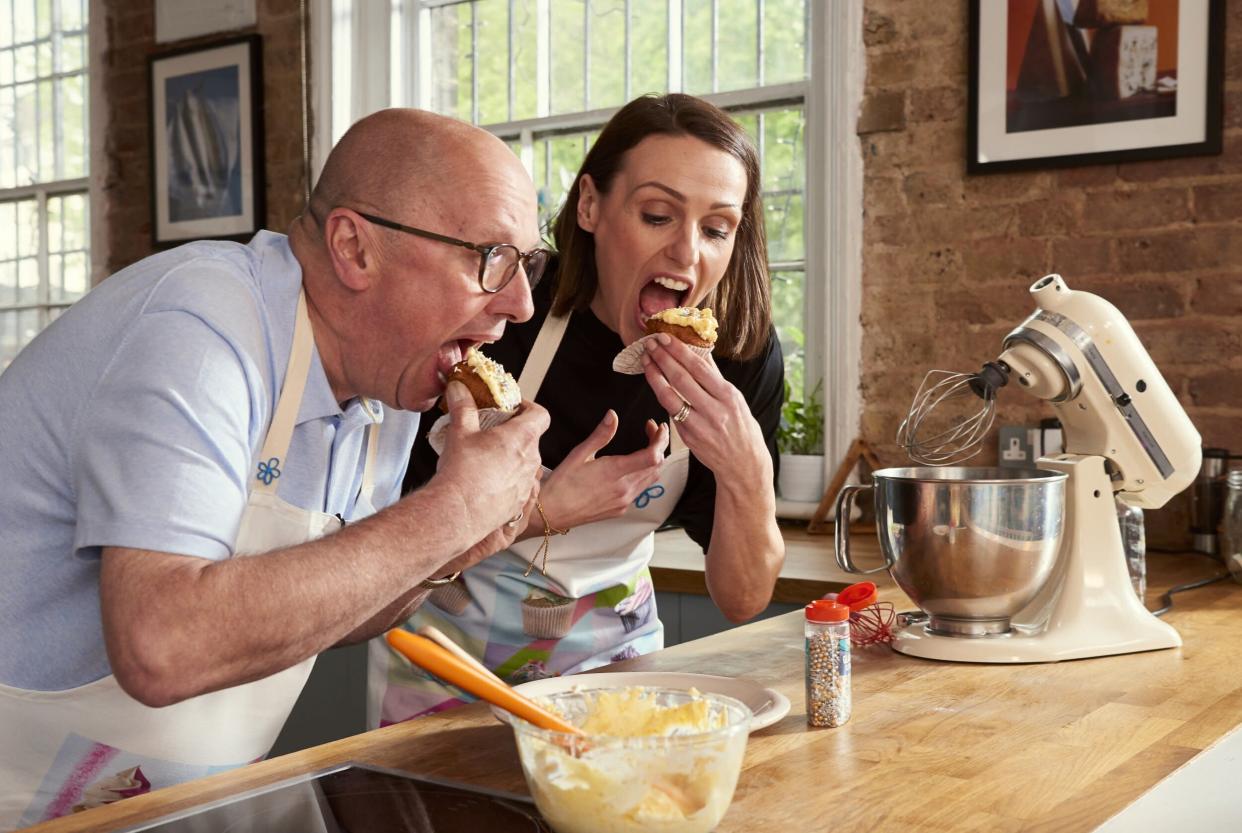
65, 751
595, 606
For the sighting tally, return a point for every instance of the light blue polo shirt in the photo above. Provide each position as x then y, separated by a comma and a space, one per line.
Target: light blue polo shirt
136, 420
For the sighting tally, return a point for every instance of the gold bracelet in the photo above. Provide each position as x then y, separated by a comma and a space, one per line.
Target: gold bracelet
548, 532
433, 583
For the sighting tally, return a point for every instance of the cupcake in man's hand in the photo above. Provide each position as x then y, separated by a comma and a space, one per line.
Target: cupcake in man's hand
495, 392
488, 382
695, 327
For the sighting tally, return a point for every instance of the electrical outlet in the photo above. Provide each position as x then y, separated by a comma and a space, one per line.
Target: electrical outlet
1015, 446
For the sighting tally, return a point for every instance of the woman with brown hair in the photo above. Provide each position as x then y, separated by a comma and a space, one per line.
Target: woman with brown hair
665, 212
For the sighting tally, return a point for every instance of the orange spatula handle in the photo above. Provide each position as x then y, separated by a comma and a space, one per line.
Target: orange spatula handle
430, 656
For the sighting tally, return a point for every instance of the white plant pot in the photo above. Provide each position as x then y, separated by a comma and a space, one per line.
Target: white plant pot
801, 477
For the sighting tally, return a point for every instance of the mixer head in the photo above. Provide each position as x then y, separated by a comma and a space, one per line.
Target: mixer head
1078, 352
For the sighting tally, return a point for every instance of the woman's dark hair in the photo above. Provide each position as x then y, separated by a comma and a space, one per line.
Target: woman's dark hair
742, 301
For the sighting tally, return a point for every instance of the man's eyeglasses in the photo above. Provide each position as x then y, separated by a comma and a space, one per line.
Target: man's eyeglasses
497, 263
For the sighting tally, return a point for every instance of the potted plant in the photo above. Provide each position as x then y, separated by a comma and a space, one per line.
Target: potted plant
800, 440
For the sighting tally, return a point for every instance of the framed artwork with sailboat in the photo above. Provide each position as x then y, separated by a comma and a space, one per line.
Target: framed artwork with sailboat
207, 142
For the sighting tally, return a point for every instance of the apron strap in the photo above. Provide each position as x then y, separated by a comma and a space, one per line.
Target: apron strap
541, 354
280, 432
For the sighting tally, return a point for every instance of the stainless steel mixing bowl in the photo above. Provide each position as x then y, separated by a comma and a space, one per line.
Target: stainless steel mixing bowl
970, 546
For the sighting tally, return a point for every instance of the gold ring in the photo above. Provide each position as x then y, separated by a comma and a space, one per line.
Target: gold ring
512, 522
681, 415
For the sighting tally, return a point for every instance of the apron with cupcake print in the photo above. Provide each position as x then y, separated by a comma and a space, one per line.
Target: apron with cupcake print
595, 605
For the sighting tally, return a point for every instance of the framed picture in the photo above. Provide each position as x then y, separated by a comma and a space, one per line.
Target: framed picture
1055, 83
207, 142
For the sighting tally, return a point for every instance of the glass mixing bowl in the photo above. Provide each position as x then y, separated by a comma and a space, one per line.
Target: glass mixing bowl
681, 782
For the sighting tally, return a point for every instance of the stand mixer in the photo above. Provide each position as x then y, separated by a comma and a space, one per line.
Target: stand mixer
1125, 435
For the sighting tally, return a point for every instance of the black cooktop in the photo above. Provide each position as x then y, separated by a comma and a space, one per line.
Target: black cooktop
359, 798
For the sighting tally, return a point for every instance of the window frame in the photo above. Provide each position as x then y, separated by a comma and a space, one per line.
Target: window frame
831, 96
42, 192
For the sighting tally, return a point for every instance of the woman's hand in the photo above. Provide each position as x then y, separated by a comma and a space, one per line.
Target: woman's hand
586, 488
718, 428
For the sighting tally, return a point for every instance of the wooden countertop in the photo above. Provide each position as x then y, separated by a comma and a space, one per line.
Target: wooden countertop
931, 746
810, 570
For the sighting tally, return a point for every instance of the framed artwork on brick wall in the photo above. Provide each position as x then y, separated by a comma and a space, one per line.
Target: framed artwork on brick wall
207, 142
1055, 83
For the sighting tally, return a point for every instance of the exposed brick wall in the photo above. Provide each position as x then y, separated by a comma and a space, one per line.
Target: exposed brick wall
130, 32
947, 258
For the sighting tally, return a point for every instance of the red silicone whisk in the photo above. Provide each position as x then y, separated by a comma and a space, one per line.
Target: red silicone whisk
871, 621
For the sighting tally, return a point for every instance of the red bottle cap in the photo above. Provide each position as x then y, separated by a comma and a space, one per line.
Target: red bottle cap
822, 610
857, 596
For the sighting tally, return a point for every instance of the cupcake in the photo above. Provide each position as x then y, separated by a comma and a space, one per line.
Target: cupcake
496, 394
451, 598
488, 382
696, 327
635, 609
546, 615
530, 671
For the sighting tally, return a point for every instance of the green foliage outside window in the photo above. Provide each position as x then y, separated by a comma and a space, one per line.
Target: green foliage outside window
590, 32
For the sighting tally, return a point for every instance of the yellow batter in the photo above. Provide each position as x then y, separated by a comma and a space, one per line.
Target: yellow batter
613, 787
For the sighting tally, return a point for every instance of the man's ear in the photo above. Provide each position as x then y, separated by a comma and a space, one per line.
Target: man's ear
351, 247
588, 204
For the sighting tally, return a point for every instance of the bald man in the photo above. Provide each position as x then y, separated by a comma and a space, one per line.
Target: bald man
220, 400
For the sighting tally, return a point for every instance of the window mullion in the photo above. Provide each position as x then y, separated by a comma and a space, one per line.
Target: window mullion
715, 46
43, 290
58, 138
543, 57
674, 46
474, 64
759, 55
512, 86
629, 54
586, 54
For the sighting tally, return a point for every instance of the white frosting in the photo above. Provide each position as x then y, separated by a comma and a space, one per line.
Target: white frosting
702, 320
503, 386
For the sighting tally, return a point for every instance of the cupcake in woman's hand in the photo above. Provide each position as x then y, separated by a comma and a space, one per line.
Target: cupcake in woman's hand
695, 327
495, 392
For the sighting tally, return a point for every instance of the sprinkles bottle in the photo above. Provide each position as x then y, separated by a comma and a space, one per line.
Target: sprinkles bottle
827, 663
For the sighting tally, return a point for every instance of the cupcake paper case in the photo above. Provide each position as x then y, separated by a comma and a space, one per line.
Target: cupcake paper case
547, 615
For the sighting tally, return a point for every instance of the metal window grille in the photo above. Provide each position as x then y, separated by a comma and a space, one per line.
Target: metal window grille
44, 153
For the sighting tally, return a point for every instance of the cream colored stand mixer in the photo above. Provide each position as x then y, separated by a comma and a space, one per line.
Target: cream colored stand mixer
1125, 435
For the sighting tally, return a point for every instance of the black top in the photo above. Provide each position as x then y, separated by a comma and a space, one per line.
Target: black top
580, 386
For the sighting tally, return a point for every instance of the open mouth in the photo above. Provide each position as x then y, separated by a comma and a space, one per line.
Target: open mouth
662, 292
450, 354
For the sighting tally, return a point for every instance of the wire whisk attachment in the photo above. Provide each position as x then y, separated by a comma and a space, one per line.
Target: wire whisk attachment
951, 415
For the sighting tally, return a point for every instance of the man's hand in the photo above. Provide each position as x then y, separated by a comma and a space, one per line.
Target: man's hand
494, 474
585, 488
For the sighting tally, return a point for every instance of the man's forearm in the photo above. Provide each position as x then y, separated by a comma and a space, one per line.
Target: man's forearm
177, 626
390, 617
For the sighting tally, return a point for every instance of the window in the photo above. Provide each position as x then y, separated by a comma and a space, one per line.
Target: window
546, 74
44, 242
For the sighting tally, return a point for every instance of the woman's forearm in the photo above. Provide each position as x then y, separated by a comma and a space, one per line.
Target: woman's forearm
746, 550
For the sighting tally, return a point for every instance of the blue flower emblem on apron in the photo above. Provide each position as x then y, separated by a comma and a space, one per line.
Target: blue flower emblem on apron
269, 470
